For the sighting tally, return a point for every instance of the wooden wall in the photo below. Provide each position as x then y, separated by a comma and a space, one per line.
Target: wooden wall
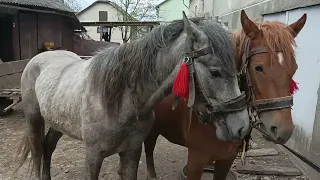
16, 38
88, 47
33, 29
28, 34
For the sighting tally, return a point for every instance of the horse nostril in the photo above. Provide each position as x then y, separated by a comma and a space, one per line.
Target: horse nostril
274, 130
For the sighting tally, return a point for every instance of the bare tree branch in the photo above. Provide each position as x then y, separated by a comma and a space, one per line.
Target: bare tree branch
75, 5
134, 10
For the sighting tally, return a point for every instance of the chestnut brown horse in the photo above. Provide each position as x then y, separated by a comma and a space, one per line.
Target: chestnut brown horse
266, 51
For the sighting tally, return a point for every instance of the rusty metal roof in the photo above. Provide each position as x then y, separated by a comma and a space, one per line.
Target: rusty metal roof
47, 4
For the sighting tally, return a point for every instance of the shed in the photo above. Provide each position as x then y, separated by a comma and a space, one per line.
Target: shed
27, 24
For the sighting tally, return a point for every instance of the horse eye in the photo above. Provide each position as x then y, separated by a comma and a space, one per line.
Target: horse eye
259, 68
215, 73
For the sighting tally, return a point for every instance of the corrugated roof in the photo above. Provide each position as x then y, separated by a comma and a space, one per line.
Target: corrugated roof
50, 4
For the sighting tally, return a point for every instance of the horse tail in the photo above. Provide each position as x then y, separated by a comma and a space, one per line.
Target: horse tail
23, 151
32, 113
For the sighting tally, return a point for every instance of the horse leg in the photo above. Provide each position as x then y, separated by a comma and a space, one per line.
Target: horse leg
149, 145
93, 162
196, 163
34, 140
50, 144
222, 167
129, 161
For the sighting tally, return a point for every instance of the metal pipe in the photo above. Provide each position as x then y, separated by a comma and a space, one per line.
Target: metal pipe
11, 106
185, 4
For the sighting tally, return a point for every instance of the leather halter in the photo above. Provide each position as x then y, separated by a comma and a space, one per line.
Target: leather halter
258, 106
216, 110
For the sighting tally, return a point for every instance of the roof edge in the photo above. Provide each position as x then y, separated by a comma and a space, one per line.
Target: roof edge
92, 4
157, 6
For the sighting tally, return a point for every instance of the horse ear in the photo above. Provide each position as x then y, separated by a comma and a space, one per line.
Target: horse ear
296, 27
249, 27
186, 22
193, 30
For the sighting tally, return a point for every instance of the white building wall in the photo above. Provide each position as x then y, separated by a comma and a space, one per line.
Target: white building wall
92, 14
201, 8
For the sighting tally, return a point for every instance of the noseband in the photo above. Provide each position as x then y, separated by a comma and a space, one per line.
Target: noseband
213, 111
257, 106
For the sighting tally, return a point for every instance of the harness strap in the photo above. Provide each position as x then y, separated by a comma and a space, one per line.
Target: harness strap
275, 103
202, 52
257, 51
192, 88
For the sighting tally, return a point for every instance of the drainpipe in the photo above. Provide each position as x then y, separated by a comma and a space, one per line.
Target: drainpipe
185, 4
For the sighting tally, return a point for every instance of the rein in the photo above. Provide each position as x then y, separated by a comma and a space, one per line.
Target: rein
300, 156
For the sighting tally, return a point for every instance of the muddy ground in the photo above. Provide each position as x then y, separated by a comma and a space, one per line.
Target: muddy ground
67, 162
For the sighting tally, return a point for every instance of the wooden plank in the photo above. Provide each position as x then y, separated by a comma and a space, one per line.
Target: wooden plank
16, 37
67, 35
12, 67
5, 68
115, 24
261, 152
28, 34
267, 170
10, 81
49, 30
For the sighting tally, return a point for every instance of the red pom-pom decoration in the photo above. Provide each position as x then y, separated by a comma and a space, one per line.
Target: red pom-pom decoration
181, 83
293, 87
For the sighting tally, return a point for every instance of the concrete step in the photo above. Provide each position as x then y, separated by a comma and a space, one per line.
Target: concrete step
267, 170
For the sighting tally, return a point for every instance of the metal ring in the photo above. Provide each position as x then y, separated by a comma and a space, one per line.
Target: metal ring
187, 60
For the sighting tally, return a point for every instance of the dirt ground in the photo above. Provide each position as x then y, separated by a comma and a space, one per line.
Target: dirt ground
67, 162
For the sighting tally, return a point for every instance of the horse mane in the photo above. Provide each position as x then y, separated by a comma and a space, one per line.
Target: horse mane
220, 41
276, 36
131, 65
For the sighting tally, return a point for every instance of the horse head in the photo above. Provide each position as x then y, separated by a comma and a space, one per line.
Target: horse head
214, 92
266, 59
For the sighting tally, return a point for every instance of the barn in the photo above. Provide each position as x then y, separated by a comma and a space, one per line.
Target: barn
27, 24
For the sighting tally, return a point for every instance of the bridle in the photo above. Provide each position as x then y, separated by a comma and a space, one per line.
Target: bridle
257, 106
214, 111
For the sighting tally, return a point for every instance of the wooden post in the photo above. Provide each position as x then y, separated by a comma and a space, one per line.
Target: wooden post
101, 32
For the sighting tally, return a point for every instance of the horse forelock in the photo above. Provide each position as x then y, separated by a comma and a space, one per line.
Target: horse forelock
220, 41
276, 36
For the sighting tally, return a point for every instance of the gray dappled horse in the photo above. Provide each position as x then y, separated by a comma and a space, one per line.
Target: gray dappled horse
107, 101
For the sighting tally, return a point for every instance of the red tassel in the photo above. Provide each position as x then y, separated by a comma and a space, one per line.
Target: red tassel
181, 83
293, 87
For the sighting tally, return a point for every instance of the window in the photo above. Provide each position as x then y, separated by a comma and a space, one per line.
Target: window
103, 15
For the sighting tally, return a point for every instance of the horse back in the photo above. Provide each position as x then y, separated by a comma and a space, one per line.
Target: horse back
50, 85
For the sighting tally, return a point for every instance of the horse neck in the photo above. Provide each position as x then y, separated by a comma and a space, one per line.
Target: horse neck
165, 72
237, 41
